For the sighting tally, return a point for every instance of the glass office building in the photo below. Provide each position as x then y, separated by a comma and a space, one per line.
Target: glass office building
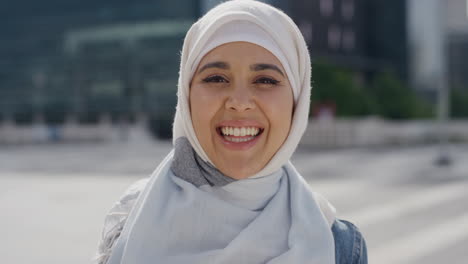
84, 59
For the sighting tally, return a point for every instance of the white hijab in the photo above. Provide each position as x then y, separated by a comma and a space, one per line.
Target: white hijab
271, 217
279, 35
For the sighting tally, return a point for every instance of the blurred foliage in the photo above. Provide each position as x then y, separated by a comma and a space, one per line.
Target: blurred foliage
332, 85
384, 95
396, 100
459, 103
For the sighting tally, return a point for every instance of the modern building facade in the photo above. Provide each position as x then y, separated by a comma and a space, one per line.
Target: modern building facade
364, 35
457, 43
85, 58
91, 57
438, 44
419, 41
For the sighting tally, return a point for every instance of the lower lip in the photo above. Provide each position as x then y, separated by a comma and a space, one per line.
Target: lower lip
239, 145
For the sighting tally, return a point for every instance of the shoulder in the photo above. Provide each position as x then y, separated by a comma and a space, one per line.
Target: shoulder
350, 246
116, 218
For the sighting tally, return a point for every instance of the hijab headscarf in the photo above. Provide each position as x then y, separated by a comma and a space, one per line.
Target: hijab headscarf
277, 33
190, 212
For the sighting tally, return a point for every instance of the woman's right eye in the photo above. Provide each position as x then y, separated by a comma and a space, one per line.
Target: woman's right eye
215, 79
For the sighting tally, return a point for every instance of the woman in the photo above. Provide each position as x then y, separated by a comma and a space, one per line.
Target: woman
227, 193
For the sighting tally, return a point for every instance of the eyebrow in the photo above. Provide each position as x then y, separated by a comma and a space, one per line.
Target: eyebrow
265, 66
216, 64
255, 67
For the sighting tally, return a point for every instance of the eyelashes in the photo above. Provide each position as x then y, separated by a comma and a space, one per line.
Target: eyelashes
215, 79
265, 80
221, 79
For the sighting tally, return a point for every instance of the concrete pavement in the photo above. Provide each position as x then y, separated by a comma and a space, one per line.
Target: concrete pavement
53, 198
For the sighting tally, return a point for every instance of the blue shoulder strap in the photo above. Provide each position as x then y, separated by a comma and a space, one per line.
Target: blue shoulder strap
350, 246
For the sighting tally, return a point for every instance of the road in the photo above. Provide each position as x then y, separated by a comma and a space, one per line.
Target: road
53, 198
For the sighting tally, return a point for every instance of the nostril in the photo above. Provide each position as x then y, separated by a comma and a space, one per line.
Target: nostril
236, 104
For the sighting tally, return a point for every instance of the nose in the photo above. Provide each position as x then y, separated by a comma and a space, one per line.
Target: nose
240, 99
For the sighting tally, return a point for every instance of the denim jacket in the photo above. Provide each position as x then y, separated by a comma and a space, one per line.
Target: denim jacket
350, 247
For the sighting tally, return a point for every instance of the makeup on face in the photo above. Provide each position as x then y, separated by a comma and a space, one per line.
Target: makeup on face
241, 107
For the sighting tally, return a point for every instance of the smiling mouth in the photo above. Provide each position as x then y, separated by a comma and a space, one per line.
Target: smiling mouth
239, 134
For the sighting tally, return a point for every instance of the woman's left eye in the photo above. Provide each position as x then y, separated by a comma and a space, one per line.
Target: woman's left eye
265, 80
215, 79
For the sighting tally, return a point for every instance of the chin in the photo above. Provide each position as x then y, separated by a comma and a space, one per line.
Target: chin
240, 167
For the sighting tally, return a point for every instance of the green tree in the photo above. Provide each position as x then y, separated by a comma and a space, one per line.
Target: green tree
336, 86
397, 101
459, 103
385, 95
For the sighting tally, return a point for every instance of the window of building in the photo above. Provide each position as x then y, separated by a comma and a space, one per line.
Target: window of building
326, 7
306, 30
349, 40
334, 37
347, 9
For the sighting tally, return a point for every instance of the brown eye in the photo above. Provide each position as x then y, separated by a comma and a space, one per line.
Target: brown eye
265, 80
215, 79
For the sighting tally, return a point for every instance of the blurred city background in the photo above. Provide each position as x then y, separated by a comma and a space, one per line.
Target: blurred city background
88, 93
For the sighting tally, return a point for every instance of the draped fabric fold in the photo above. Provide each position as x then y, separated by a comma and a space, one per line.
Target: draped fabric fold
189, 212
273, 219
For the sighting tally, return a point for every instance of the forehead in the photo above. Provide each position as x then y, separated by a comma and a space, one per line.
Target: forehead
241, 52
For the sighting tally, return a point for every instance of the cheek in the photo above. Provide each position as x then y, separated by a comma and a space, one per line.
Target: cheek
279, 110
283, 120
203, 108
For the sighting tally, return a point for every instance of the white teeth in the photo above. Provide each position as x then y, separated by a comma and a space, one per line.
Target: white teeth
237, 140
240, 131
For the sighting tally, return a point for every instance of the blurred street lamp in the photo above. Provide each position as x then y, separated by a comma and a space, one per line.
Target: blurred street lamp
466, 5
443, 108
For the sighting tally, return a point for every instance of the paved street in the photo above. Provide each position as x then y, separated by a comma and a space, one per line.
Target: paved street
53, 198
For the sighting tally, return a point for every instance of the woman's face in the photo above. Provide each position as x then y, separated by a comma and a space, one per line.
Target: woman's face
241, 106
